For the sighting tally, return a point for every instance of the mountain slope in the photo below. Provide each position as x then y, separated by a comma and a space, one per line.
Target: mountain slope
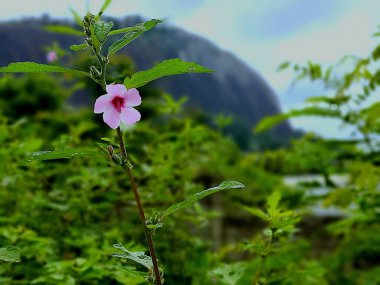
234, 88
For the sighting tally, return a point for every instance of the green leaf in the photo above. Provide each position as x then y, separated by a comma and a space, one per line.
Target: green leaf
271, 121
230, 273
132, 34
191, 200
273, 201
78, 47
9, 254
77, 17
66, 153
283, 66
123, 30
101, 30
337, 100
66, 30
105, 6
95, 41
138, 257
284, 221
258, 213
258, 248
169, 67
27, 67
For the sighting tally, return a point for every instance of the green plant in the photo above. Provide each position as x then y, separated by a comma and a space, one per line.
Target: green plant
96, 33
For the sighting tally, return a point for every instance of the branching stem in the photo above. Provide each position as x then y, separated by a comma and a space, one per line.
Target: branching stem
102, 81
148, 234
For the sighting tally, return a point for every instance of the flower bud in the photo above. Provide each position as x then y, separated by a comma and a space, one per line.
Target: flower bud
110, 151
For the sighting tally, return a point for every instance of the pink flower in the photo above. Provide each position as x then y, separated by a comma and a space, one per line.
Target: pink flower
117, 105
51, 56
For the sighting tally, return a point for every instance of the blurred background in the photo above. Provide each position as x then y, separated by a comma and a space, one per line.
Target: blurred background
290, 111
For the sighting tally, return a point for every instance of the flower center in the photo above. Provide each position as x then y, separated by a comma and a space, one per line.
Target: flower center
118, 103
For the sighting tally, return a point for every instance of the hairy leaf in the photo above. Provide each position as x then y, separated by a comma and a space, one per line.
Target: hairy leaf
169, 67
27, 67
138, 257
191, 200
66, 30
101, 30
9, 254
66, 153
131, 35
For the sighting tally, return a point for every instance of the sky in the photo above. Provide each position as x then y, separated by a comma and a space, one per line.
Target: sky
262, 33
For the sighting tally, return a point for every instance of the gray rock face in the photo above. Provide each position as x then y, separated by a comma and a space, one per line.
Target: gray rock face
234, 88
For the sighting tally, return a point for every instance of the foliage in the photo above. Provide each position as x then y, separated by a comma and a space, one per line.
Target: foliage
9, 254
165, 68
351, 87
61, 210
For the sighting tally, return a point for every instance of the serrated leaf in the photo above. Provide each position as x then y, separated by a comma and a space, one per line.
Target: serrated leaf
169, 67
28, 67
66, 30
258, 213
101, 30
138, 257
191, 200
78, 47
131, 35
9, 254
63, 154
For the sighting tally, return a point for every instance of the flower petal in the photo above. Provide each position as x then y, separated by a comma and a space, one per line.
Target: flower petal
130, 116
102, 103
132, 97
112, 118
116, 89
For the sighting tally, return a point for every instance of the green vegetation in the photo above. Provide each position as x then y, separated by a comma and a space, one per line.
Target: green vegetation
68, 213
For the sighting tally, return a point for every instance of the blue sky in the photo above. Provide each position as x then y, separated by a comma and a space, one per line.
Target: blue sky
262, 33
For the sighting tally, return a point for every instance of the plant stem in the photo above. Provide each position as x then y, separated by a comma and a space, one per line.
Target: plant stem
258, 272
103, 68
263, 258
148, 234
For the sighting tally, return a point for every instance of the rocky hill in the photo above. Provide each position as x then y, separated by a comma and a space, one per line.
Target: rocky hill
234, 88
